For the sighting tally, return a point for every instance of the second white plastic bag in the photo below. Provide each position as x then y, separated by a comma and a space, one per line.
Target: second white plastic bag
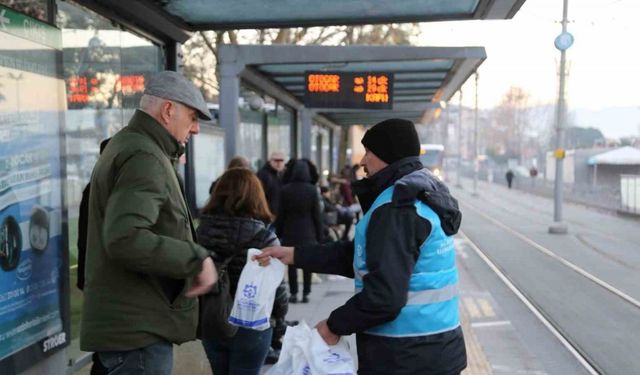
304, 352
256, 292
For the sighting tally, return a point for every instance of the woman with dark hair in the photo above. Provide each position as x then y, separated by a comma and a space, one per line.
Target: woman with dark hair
236, 162
299, 219
232, 222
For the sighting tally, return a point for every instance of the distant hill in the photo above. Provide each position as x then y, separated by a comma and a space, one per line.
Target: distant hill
614, 122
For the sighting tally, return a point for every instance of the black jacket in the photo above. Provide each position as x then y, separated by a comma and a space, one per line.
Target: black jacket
227, 236
394, 236
271, 184
299, 220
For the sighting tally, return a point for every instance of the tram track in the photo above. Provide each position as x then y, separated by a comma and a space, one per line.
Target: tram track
627, 298
507, 199
573, 348
513, 246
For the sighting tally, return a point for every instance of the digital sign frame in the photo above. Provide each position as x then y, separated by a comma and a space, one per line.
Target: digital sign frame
356, 90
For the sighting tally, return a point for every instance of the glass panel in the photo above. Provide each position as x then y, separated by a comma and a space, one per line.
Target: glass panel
91, 66
250, 137
279, 127
139, 58
104, 70
208, 147
314, 144
323, 154
35, 8
399, 77
32, 265
408, 85
395, 66
307, 11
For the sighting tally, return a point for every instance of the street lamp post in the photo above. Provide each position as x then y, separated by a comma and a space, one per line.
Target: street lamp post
562, 42
458, 185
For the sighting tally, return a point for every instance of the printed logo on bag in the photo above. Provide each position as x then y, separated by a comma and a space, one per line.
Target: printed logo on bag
250, 290
306, 370
333, 358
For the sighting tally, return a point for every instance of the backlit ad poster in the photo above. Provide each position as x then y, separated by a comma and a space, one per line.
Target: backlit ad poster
32, 251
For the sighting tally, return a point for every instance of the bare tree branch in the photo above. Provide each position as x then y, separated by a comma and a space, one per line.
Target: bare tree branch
233, 36
208, 43
282, 37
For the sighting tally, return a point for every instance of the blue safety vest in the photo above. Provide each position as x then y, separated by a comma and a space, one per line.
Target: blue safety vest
432, 303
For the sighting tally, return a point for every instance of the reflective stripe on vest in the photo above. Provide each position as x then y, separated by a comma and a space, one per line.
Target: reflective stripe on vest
430, 296
432, 299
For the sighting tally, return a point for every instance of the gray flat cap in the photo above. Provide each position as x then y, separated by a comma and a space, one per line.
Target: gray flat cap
174, 86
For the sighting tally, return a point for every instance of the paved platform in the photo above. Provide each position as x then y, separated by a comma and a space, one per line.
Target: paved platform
329, 292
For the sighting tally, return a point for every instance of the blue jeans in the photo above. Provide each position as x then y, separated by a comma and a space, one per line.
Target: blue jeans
155, 359
242, 354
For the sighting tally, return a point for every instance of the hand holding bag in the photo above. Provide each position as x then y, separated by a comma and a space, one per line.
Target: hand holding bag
256, 292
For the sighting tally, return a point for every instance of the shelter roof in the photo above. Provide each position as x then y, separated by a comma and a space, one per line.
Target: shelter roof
243, 14
621, 156
423, 76
174, 19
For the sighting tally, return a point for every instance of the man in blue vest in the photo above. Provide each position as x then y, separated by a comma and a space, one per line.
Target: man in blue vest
405, 309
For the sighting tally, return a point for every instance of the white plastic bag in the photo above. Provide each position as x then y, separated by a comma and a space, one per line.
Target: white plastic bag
256, 292
304, 352
293, 355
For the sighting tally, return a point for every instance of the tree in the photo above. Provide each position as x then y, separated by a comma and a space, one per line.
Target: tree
577, 137
511, 123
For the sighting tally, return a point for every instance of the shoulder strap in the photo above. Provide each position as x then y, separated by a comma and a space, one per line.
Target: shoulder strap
225, 263
263, 234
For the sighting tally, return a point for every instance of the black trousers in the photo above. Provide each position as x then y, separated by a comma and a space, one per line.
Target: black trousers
293, 281
438, 354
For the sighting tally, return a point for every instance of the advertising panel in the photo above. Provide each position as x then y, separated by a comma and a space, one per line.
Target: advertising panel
33, 265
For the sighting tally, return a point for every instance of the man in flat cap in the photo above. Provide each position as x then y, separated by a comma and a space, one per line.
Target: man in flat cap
405, 308
143, 266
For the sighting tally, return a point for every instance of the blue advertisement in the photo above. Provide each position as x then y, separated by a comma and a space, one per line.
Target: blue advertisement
31, 238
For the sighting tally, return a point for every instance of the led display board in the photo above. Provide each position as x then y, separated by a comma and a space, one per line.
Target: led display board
359, 90
81, 89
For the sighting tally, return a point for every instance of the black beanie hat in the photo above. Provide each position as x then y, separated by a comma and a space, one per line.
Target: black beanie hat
392, 140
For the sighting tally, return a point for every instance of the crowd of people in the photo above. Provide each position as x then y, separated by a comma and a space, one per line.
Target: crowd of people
145, 261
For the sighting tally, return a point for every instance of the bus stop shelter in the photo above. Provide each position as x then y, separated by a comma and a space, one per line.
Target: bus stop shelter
424, 76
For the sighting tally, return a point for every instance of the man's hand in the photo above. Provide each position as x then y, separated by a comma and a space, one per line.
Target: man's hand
203, 281
329, 337
284, 254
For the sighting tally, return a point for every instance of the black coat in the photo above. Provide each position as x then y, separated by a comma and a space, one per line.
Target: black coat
394, 236
299, 220
227, 236
271, 184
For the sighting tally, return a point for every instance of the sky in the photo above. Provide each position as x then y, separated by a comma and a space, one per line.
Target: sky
603, 63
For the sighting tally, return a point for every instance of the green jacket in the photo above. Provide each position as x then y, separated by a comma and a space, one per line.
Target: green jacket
141, 250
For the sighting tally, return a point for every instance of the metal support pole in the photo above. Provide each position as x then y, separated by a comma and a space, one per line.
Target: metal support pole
558, 227
229, 115
444, 132
306, 120
459, 134
476, 165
